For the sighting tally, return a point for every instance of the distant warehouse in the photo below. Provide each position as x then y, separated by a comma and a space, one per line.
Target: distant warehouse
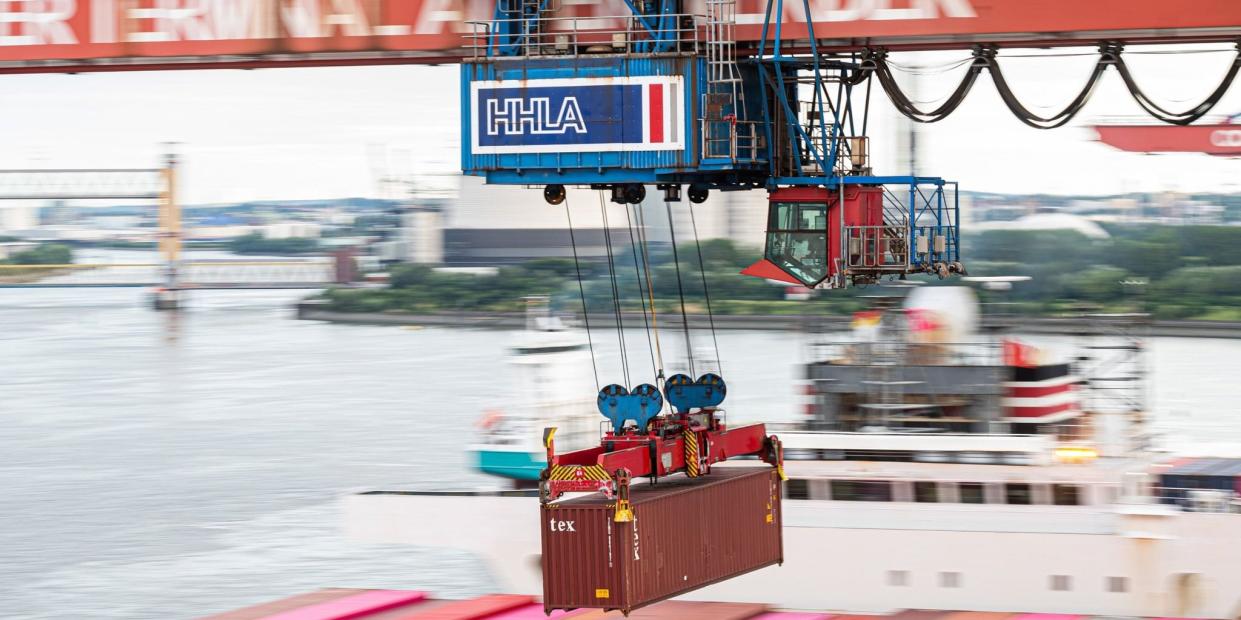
486, 247
494, 225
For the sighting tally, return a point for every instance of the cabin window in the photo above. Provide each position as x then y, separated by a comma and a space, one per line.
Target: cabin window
796, 488
950, 579
862, 490
898, 577
1065, 495
1061, 583
926, 492
1017, 493
1117, 584
797, 240
971, 493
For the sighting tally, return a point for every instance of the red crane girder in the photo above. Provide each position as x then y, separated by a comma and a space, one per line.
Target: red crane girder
116, 35
1222, 139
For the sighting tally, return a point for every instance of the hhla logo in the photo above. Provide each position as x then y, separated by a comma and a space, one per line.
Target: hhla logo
518, 116
557, 525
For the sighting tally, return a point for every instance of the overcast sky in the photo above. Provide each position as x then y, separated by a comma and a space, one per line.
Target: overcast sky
321, 133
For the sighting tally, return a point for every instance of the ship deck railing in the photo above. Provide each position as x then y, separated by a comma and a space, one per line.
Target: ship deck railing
902, 353
1027, 449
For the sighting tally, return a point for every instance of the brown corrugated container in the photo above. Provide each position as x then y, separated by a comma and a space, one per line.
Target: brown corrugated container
686, 534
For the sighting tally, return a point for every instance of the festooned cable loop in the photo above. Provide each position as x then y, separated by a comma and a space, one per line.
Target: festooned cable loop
874, 62
1190, 115
1066, 114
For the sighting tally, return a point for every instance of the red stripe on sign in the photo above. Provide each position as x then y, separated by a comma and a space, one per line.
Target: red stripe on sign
656, 109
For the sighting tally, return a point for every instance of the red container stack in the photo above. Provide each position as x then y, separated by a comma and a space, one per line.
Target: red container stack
686, 533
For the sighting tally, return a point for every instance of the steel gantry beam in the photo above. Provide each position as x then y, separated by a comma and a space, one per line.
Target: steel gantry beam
110, 35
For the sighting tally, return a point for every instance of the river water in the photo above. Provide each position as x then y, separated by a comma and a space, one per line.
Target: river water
171, 465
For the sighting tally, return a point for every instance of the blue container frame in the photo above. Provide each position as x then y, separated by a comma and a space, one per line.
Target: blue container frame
604, 167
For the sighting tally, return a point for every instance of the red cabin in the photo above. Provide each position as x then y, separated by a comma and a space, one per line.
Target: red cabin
857, 234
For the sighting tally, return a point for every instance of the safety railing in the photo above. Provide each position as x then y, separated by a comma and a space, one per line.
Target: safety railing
880, 248
930, 243
731, 139
1197, 499
852, 152
853, 156
931, 210
572, 36
862, 353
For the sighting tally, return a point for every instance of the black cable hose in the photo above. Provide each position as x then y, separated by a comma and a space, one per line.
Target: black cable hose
1190, 115
1058, 119
875, 62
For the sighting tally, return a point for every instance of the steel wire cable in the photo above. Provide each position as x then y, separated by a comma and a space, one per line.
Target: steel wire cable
633, 246
620, 321
676, 260
581, 288
702, 271
650, 289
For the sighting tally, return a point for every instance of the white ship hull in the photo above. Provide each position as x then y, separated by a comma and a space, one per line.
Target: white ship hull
865, 557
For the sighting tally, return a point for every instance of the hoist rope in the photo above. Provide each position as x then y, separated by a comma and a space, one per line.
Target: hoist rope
866, 109
616, 308
650, 290
702, 270
984, 58
581, 288
689, 346
637, 270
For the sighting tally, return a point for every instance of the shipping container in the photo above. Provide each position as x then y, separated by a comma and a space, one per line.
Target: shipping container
686, 533
1177, 483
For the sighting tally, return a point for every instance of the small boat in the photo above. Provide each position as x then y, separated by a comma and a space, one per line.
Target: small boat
551, 364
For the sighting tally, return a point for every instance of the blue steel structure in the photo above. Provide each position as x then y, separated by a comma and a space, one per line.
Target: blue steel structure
659, 97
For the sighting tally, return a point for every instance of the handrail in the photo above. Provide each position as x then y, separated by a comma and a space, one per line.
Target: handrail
571, 34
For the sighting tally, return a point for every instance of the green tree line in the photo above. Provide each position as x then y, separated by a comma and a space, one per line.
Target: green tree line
42, 254
1170, 271
255, 243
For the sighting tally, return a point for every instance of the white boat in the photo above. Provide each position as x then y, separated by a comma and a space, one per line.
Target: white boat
931, 474
554, 387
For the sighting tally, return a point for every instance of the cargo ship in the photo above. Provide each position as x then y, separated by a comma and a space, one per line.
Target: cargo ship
937, 468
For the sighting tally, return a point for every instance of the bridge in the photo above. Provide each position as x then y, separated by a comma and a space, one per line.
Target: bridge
172, 274
201, 275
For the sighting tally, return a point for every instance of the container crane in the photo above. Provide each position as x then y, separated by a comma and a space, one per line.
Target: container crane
664, 100
662, 97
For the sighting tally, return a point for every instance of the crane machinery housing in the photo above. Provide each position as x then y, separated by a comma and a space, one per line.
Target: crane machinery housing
664, 100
